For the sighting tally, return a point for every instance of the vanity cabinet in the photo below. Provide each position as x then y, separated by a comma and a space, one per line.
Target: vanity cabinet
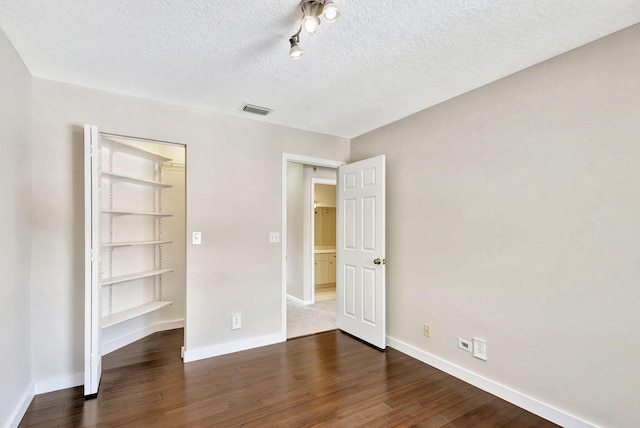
325, 268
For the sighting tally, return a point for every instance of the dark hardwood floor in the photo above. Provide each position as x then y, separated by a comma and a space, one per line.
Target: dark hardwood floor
327, 379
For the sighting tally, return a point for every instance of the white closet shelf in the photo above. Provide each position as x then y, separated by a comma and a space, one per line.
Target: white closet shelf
123, 316
132, 276
125, 212
119, 145
134, 180
131, 244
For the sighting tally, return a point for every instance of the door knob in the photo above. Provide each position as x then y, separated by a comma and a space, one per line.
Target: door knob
377, 261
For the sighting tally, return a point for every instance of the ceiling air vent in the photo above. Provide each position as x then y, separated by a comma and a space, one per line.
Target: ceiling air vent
262, 111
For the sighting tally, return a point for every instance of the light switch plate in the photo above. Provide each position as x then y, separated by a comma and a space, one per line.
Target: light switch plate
274, 237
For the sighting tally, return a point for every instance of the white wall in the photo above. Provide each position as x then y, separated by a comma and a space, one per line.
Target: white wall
513, 214
295, 232
233, 193
15, 221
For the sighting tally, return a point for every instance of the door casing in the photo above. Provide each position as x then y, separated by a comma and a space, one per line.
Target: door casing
305, 160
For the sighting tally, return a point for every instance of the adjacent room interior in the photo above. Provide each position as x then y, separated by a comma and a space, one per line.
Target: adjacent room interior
311, 249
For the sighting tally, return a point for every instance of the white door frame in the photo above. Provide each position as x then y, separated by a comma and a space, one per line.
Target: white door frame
312, 269
305, 160
92, 328
94, 348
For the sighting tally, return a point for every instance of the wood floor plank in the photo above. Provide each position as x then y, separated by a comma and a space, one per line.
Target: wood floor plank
328, 379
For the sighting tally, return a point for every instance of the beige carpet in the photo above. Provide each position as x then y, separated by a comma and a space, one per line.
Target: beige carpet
304, 320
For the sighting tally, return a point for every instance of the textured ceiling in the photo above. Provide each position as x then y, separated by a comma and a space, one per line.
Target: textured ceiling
382, 61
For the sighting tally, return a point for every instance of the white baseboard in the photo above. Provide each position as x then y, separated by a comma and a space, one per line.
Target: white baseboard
521, 400
139, 334
59, 383
228, 348
20, 410
298, 301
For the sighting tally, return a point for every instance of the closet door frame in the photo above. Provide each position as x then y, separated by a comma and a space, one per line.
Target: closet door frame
95, 249
92, 292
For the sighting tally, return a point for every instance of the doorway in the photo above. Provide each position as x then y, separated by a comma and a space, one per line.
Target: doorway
361, 259
135, 270
299, 176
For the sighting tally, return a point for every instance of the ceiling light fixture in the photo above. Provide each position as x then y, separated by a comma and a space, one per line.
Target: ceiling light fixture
312, 11
295, 52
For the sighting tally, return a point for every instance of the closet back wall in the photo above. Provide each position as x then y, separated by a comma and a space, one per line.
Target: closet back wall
234, 167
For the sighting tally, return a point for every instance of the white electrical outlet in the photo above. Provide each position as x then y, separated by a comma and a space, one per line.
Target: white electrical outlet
480, 349
274, 237
465, 345
427, 330
236, 321
197, 238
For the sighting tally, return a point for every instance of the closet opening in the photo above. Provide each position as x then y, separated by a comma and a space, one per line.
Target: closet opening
135, 204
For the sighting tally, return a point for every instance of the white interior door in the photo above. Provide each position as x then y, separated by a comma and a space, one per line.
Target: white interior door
361, 251
92, 185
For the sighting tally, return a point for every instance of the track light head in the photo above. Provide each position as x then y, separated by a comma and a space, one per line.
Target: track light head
310, 24
295, 52
330, 12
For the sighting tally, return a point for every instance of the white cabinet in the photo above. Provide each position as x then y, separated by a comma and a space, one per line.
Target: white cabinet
325, 268
321, 269
132, 238
332, 267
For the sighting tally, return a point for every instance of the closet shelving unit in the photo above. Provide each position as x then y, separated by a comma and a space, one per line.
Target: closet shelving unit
108, 281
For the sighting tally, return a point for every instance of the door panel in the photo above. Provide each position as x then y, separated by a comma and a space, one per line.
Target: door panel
361, 242
349, 291
369, 224
92, 337
349, 230
369, 296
